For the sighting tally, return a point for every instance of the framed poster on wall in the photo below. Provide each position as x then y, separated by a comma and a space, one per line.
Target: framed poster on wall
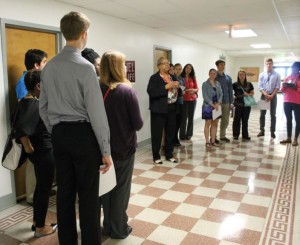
252, 73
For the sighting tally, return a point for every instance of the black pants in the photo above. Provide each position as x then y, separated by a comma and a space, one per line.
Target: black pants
78, 158
178, 122
159, 122
273, 107
43, 163
115, 202
241, 115
187, 119
288, 110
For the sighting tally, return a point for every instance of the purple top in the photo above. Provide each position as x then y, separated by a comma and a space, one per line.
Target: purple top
124, 119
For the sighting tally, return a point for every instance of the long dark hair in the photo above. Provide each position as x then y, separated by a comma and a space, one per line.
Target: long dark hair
192, 74
238, 79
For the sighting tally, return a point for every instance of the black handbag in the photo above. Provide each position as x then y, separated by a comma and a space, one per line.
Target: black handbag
14, 154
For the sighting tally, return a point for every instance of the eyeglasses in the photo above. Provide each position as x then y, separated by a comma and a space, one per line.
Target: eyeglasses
165, 63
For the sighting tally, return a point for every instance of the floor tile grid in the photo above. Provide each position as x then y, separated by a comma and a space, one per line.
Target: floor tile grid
195, 139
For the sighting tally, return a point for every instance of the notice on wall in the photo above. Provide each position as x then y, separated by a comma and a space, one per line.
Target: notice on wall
130, 66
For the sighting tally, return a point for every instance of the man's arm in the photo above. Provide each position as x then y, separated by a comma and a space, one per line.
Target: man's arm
43, 105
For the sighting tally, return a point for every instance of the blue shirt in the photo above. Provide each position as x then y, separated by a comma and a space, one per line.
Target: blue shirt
269, 81
226, 85
21, 90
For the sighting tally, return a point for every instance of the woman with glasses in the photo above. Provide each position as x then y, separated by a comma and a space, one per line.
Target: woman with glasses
163, 93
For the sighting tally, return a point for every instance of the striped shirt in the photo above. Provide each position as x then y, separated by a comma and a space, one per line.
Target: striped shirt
269, 81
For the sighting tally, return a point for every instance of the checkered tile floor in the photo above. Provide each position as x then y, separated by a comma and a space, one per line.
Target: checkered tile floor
239, 193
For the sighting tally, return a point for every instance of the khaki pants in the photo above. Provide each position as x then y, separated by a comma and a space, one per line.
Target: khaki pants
30, 181
224, 120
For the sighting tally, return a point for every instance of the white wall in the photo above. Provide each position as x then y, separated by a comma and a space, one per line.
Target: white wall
105, 33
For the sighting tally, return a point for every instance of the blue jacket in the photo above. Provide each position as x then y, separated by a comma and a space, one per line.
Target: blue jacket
208, 93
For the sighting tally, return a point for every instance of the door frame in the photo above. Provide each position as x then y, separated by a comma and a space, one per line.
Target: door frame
158, 47
10, 199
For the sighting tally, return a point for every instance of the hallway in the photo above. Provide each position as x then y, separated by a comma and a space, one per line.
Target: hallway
240, 193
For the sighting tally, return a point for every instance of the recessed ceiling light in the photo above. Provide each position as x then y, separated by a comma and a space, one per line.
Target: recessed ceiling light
242, 33
261, 45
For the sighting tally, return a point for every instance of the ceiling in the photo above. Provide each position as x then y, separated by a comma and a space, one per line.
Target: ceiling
276, 22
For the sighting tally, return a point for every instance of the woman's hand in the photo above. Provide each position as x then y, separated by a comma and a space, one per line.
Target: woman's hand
27, 144
29, 149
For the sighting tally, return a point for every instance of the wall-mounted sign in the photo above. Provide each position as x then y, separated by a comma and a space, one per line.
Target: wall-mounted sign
130, 65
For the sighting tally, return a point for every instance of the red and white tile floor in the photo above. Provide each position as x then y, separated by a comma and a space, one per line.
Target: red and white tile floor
239, 193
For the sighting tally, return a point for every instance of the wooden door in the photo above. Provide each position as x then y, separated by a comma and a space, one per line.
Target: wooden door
158, 52
18, 41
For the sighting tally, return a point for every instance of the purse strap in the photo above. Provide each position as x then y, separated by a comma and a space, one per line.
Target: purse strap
15, 115
106, 93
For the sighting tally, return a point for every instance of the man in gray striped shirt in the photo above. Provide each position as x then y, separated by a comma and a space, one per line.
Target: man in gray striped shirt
71, 106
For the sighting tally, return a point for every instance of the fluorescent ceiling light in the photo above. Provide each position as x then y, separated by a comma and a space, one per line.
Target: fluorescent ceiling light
242, 33
261, 45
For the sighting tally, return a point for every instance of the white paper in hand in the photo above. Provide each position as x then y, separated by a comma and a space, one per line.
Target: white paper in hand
107, 181
263, 105
216, 113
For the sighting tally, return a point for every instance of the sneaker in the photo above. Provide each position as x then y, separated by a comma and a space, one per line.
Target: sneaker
225, 139
261, 133
273, 136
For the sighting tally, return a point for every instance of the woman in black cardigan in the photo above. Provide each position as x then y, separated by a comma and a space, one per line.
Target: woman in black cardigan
36, 140
163, 92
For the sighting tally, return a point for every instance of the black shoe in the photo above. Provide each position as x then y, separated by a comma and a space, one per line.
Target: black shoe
261, 133
177, 144
129, 229
235, 138
188, 137
273, 136
247, 139
54, 226
225, 139
216, 141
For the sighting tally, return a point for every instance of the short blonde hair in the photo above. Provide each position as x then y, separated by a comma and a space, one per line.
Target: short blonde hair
112, 69
73, 24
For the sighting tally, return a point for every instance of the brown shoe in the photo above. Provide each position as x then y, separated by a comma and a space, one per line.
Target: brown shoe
295, 143
286, 141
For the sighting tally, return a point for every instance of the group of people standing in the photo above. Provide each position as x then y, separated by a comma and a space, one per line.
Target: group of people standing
172, 103
173, 94
72, 121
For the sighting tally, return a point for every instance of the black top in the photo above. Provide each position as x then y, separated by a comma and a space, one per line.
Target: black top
124, 119
158, 94
29, 123
239, 92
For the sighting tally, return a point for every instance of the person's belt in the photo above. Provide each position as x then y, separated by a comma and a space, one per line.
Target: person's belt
73, 122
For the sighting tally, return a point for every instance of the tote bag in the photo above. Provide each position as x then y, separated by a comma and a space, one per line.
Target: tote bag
249, 100
13, 155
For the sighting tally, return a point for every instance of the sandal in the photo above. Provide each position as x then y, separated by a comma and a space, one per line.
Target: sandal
286, 141
295, 143
158, 161
172, 159
215, 144
208, 145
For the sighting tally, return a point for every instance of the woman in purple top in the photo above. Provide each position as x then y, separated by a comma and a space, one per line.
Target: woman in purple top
124, 118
